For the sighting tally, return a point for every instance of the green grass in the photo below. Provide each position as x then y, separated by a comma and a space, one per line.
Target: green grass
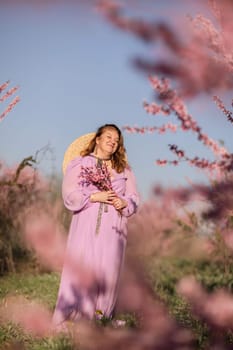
39, 287
11, 335
163, 275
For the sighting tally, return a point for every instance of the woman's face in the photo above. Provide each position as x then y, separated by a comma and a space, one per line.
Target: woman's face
108, 141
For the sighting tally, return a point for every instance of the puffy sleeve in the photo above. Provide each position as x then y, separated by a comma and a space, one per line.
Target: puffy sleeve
131, 195
75, 196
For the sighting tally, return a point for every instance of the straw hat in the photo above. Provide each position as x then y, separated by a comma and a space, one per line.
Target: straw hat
75, 148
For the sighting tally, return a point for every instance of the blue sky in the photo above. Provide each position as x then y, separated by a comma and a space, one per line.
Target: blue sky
75, 74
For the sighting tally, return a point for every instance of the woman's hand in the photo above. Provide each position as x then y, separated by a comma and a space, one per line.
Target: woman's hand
119, 203
103, 197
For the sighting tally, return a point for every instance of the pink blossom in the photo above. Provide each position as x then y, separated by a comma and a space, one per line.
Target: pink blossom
161, 162
150, 129
216, 309
219, 309
43, 234
154, 108
98, 176
191, 62
33, 317
4, 86
8, 93
9, 108
173, 103
228, 238
189, 288
221, 106
220, 42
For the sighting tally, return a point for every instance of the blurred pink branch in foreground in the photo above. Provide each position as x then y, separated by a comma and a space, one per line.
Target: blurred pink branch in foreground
191, 60
216, 308
32, 316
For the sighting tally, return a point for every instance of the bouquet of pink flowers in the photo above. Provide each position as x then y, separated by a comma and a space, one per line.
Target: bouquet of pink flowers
98, 176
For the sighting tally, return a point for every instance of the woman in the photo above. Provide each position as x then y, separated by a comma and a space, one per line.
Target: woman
97, 237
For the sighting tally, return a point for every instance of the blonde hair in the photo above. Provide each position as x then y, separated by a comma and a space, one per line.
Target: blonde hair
119, 162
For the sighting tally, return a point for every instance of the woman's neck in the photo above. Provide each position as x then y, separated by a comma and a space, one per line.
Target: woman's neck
102, 156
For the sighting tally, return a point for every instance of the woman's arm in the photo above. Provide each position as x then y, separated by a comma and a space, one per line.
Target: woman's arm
75, 196
131, 196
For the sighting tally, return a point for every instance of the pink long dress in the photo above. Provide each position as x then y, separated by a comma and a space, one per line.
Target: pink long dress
94, 256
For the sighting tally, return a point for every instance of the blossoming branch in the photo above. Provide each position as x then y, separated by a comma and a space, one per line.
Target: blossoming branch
98, 176
7, 94
191, 62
